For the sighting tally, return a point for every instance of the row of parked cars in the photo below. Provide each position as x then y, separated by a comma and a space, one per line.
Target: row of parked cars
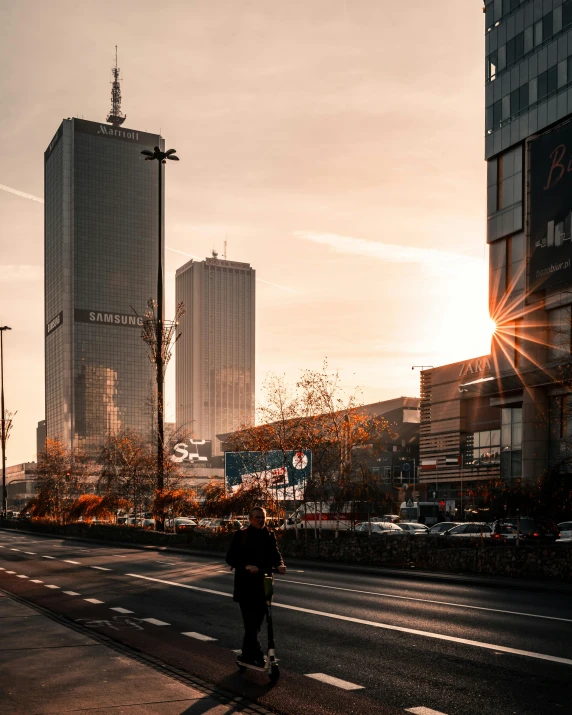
527, 530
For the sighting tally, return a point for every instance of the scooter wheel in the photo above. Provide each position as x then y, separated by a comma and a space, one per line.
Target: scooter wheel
274, 673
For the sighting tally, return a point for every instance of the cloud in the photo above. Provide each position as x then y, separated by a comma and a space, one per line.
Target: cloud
440, 261
20, 273
23, 194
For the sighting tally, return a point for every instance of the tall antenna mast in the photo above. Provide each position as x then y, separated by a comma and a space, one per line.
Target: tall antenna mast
224, 254
116, 116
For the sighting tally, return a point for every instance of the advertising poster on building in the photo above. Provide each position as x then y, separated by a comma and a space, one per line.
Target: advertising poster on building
550, 229
284, 472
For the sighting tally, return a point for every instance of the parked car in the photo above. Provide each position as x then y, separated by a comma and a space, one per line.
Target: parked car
472, 529
541, 531
379, 527
414, 528
442, 527
181, 523
565, 529
148, 523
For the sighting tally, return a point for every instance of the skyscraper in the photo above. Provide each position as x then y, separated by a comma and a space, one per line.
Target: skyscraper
101, 219
215, 354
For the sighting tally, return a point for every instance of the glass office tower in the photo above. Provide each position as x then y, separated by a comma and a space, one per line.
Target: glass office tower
101, 232
528, 147
215, 354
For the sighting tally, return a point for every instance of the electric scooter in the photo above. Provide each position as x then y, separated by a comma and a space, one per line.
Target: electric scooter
270, 661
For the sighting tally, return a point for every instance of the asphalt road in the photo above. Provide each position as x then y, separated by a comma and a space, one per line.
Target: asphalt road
395, 643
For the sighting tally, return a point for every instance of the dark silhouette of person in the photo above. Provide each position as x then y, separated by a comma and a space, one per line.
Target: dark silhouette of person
253, 554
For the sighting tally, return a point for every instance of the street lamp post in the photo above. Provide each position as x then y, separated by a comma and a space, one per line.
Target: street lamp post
161, 157
3, 434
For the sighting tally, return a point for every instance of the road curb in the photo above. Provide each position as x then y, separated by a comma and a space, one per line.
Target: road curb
238, 703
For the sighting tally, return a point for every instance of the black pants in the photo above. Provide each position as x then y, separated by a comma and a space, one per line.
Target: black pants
253, 613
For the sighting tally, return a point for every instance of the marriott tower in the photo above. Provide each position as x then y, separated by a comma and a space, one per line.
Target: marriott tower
101, 221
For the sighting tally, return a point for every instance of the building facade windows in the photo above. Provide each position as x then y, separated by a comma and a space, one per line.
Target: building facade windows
511, 442
559, 334
483, 449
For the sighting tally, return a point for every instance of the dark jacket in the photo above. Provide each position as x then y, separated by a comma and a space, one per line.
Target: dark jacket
252, 547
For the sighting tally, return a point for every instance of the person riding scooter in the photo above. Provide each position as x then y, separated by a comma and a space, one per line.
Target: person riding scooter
253, 554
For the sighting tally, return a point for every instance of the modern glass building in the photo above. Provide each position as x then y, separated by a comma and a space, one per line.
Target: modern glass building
528, 147
215, 354
101, 224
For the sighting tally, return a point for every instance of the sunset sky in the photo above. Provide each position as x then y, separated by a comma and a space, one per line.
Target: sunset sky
336, 144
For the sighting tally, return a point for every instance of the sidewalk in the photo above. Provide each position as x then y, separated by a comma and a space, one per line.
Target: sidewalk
46, 667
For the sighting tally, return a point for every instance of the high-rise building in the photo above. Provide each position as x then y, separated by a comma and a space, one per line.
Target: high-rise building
528, 147
101, 224
215, 354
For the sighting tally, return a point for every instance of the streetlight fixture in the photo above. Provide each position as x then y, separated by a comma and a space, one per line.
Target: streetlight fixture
161, 158
3, 435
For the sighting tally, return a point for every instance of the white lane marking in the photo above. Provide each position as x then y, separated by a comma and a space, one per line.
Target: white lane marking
226, 571
198, 636
171, 563
21, 575
92, 600
120, 610
15, 549
427, 600
72, 593
36, 580
181, 585
48, 557
50, 585
155, 622
68, 561
330, 680
2, 547
100, 568
375, 624
424, 711
31, 553
2, 568
10, 572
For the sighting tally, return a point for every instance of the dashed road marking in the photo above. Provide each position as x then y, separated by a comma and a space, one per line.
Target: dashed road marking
72, 593
48, 557
377, 624
36, 580
21, 575
424, 711
2, 568
10, 572
51, 585
100, 568
171, 563
15, 549
330, 680
68, 561
120, 610
30, 553
155, 622
198, 636
92, 600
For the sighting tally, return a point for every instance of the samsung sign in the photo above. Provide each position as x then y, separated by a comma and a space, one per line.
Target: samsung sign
54, 323
100, 317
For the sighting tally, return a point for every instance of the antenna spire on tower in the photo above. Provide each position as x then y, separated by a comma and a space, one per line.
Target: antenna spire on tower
116, 116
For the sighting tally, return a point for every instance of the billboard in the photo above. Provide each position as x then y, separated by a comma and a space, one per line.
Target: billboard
286, 472
550, 204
